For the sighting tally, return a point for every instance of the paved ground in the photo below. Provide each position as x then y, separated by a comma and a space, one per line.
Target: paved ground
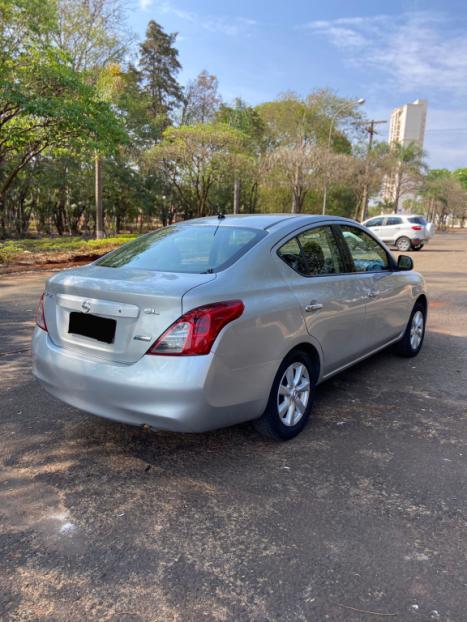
363, 511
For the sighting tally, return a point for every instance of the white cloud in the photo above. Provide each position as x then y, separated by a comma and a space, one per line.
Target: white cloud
145, 4
422, 50
227, 25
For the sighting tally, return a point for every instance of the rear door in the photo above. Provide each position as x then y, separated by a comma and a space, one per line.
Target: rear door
388, 298
391, 229
331, 300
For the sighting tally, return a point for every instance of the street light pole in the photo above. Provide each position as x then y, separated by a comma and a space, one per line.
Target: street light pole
349, 104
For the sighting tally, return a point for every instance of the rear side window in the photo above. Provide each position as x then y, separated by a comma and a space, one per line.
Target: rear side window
417, 220
374, 222
313, 253
185, 248
367, 255
291, 253
394, 220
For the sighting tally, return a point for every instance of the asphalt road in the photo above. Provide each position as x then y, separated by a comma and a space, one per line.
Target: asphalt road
364, 511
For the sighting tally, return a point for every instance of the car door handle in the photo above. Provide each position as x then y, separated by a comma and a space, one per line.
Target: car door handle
313, 306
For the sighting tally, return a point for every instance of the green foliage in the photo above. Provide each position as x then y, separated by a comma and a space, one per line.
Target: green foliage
12, 249
158, 66
195, 159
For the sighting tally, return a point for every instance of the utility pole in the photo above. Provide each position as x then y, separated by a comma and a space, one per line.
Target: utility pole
370, 128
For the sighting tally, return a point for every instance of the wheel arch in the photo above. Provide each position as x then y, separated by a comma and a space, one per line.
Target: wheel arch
313, 353
423, 300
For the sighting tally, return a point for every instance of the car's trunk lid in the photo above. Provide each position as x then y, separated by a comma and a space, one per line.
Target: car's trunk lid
114, 314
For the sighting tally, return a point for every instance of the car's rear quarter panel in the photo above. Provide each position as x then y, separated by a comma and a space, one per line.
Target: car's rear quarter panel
249, 351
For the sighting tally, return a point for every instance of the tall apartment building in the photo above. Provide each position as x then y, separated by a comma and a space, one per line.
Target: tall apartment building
407, 125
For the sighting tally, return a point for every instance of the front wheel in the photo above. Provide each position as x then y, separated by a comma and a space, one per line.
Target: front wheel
403, 244
412, 341
291, 398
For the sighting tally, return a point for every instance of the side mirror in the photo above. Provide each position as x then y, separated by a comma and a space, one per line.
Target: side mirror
404, 262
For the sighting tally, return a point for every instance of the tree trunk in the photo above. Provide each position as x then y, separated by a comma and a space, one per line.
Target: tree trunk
236, 197
2, 216
397, 194
100, 233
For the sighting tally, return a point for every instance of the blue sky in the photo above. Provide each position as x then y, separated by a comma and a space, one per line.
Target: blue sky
390, 52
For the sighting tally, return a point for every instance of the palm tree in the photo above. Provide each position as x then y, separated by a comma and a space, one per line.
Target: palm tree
408, 167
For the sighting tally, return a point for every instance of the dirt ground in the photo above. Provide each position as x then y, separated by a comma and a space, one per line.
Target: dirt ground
362, 517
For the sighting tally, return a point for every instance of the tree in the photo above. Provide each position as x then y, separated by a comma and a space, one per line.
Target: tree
201, 99
195, 159
445, 197
247, 120
90, 33
158, 67
297, 144
407, 168
303, 168
45, 104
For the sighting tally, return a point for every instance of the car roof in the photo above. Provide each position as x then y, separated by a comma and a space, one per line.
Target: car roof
264, 221
395, 215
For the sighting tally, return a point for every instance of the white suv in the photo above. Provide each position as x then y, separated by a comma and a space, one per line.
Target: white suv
404, 231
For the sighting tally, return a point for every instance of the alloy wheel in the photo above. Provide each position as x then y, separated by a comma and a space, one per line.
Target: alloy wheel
416, 330
293, 394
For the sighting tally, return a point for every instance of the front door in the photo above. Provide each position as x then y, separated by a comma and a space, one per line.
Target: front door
387, 301
376, 225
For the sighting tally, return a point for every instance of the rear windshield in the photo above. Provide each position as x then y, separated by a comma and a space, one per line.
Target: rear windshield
185, 248
417, 220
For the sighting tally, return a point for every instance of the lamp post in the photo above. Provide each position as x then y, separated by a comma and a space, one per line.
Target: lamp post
349, 104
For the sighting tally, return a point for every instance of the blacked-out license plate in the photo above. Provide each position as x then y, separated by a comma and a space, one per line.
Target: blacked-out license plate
93, 326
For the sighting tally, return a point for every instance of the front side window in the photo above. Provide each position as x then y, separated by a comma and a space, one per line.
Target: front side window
394, 220
313, 253
374, 222
367, 255
185, 248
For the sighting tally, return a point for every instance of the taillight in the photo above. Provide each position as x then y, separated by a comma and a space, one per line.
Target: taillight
416, 228
195, 332
40, 314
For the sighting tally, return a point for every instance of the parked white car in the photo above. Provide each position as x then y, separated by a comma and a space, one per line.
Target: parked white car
404, 231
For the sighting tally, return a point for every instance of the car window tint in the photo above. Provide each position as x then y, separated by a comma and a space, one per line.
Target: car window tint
185, 248
417, 220
367, 254
291, 253
374, 222
320, 251
394, 220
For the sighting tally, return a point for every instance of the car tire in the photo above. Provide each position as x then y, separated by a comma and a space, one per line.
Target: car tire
403, 244
284, 418
412, 340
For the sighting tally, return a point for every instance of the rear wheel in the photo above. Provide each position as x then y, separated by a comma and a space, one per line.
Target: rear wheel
403, 244
412, 341
291, 398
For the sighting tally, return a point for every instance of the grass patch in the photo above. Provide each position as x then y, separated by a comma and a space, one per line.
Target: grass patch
16, 250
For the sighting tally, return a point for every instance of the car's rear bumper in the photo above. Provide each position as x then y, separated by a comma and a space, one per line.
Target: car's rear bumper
168, 393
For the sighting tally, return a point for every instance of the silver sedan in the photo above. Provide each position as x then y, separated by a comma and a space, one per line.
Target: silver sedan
216, 321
